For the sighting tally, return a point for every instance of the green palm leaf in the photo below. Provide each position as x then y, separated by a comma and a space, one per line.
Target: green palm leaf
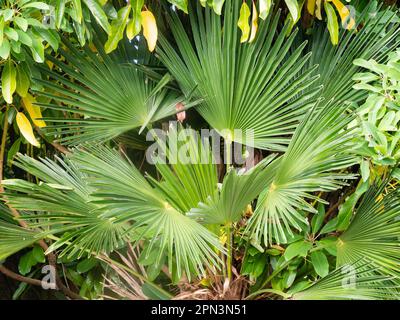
124, 195
377, 36
350, 282
253, 87
374, 232
318, 149
13, 238
63, 204
102, 96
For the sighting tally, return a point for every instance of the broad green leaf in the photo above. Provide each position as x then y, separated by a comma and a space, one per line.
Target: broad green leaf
318, 219
14, 149
21, 23
26, 262
8, 81
135, 24
50, 36
5, 49
333, 25
299, 248
8, 14
99, 14
365, 77
36, 5
38, 254
23, 81
294, 9
217, 5
24, 38
11, 33
1, 30
264, 8
330, 226
60, 10
86, 265
364, 168
348, 207
37, 49
320, 263
180, 4
77, 5
243, 22
117, 29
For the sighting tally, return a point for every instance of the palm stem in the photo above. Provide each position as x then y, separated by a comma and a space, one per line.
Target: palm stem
229, 244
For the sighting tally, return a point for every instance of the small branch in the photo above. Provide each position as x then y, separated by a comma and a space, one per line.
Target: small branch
56, 145
18, 277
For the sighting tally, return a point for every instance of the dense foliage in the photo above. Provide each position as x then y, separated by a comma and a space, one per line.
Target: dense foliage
109, 189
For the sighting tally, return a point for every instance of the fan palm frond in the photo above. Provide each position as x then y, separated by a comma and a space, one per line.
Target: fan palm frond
124, 195
63, 204
318, 149
377, 36
237, 190
255, 87
350, 282
374, 232
14, 238
103, 96
190, 180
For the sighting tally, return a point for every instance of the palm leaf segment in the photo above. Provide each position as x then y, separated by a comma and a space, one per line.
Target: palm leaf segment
318, 148
63, 204
374, 232
377, 36
351, 282
253, 87
97, 200
104, 97
13, 238
191, 183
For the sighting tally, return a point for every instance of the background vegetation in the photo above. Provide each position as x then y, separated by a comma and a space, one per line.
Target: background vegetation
315, 214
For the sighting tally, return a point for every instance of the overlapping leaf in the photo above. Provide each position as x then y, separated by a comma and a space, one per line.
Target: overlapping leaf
255, 87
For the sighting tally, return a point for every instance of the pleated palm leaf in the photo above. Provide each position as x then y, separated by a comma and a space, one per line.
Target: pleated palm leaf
351, 282
102, 96
13, 238
62, 206
318, 150
374, 232
190, 180
255, 87
377, 36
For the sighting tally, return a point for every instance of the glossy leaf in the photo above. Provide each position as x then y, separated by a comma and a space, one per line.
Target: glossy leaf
26, 129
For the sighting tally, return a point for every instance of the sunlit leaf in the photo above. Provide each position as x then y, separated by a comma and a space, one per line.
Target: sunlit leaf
26, 129
150, 31
8, 81
243, 22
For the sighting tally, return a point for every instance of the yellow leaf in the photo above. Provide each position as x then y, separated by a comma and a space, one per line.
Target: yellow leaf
243, 22
254, 23
345, 15
150, 31
318, 8
33, 110
311, 6
26, 129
